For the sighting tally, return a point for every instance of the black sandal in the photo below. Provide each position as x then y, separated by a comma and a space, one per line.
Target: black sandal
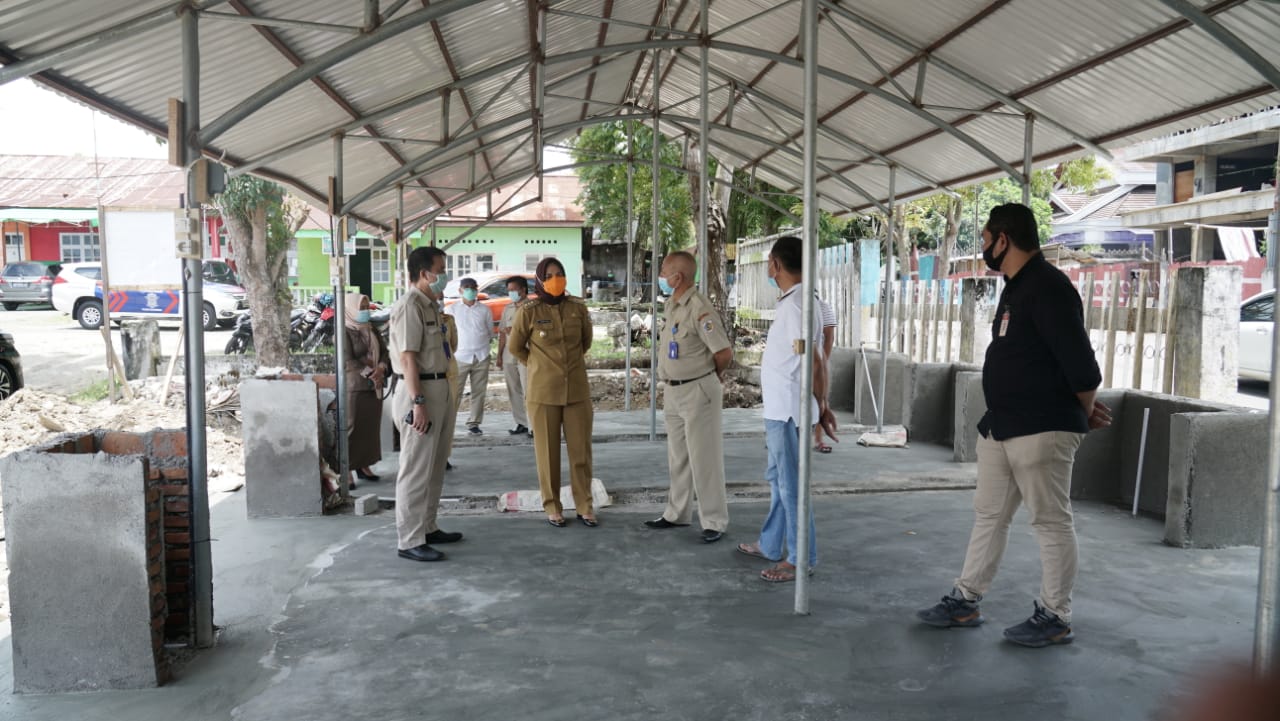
558, 524
588, 522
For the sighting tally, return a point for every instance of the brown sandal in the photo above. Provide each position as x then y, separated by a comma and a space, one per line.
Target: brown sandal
783, 572
753, 550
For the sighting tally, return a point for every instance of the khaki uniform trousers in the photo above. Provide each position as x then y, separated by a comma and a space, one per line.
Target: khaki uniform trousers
695, 460
517, 377
576, 419
1034, 469
422, 459
478, 373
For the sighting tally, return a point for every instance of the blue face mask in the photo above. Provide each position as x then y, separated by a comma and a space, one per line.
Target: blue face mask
773, 282
664, 286
514, 295
362, 316
437, 286
468, 294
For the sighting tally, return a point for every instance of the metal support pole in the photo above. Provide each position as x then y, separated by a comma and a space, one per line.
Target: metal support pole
704, 196
402, 244
886, 312
1266, 641
192, 317
631, 244
540, 71
1027, 150
654, 243
339, 317
809, 30
1273, 231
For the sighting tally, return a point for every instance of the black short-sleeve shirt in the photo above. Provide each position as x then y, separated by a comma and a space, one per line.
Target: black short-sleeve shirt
1040, 357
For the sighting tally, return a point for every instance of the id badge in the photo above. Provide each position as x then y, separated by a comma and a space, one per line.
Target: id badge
1004, 324
449, 353
673, 350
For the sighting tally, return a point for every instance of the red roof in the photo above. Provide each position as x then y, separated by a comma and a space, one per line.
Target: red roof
57, 181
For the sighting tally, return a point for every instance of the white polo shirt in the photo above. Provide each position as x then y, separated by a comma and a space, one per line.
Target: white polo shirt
475, 330
781, 368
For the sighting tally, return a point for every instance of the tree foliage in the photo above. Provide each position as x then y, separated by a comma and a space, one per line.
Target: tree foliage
604, 186
261, 221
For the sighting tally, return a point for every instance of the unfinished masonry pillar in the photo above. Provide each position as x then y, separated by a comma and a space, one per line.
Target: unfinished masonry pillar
1206, 331
977, 309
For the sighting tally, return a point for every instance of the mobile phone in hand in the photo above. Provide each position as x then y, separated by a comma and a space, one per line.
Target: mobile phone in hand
408, 421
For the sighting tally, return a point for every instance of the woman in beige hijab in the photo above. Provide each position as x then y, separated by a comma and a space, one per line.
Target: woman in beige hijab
367, 366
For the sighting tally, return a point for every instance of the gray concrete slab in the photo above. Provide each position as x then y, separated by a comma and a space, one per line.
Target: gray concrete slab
281, 447
322, 621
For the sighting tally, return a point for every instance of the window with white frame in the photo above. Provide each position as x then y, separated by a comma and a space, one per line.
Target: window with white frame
459, 265
531, 261
12, 247
380, 265
80, 247
484, 262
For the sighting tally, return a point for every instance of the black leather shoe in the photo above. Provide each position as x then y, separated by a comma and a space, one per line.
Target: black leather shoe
448, 465
519, 430
711, 536
438, 536
421, 553
588, 522
367, 476
663, 523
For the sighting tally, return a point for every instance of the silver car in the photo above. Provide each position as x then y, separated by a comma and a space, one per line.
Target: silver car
25, 282
1256, 325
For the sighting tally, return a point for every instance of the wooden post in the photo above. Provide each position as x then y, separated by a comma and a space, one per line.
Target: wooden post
1139, 329
1108, 375
950, 315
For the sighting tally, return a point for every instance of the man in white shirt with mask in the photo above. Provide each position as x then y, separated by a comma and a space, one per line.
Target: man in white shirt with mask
475, 331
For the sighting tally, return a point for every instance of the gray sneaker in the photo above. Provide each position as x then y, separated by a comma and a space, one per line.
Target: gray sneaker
954, 610
1042, 629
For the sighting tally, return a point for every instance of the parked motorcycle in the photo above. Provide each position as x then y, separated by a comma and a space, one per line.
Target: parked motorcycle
322, 333
242, 337
302, 322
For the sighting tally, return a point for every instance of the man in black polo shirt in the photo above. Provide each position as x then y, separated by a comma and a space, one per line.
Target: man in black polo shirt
1040, 381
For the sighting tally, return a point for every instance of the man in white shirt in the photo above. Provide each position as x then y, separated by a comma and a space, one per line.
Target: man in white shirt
781, 374
475, 331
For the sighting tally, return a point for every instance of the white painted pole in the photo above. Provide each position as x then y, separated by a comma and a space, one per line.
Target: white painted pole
809, 29
1142, 454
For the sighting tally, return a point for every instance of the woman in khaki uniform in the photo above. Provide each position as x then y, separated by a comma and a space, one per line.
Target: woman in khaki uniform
366, 366
551, 336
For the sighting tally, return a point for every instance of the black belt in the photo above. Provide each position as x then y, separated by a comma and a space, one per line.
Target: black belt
425, 376
680, 383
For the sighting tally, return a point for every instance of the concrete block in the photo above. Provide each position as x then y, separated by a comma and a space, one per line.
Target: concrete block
843, 393
1098, 471
367, 504
281, 448
78, 572
1207, 331
1217, 473
895, 393
930, 402
970, 406
140, 348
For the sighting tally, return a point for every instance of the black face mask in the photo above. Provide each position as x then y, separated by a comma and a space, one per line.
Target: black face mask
994, 261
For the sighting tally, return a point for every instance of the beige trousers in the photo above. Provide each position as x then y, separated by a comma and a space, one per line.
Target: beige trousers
478, 373
517, 376
1035, 470
422, 458
695, 459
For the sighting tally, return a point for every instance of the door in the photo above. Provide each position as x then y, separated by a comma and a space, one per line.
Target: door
360, 271
1256, 326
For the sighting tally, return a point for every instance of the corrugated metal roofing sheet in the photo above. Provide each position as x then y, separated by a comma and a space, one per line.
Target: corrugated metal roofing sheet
1094, 72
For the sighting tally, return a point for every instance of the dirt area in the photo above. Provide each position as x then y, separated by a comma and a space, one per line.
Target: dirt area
608, 391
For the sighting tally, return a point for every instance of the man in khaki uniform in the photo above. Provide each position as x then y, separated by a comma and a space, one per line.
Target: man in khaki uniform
551, 336
513, 371
693, 353
420, 355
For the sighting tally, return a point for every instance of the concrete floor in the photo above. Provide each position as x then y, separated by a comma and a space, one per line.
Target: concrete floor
322, 621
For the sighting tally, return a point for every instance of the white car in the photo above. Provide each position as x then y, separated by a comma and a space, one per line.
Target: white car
77, 291
1257, 322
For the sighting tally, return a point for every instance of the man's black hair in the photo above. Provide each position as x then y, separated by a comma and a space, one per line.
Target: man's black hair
524, 284
789, 250
1017, 222
421, 260
468, 283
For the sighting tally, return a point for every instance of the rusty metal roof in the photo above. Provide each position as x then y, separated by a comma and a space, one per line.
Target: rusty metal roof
56, 181
938, 88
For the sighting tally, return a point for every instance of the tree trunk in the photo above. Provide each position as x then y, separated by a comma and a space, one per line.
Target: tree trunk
263, 275
954, 210
717, 240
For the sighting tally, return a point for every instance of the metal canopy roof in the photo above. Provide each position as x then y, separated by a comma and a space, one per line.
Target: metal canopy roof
442, 97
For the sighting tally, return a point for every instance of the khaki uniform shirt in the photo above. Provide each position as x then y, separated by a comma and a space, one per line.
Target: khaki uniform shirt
504, 326
451, 335
695, 326
553, 340
417, 324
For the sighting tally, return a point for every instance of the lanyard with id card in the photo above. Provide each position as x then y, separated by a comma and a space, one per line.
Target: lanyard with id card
673, 349
1004, 324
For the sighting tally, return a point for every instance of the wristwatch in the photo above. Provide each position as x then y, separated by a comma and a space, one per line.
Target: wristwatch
419, 400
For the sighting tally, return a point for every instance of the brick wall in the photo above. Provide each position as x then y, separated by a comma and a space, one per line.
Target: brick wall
168, 520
